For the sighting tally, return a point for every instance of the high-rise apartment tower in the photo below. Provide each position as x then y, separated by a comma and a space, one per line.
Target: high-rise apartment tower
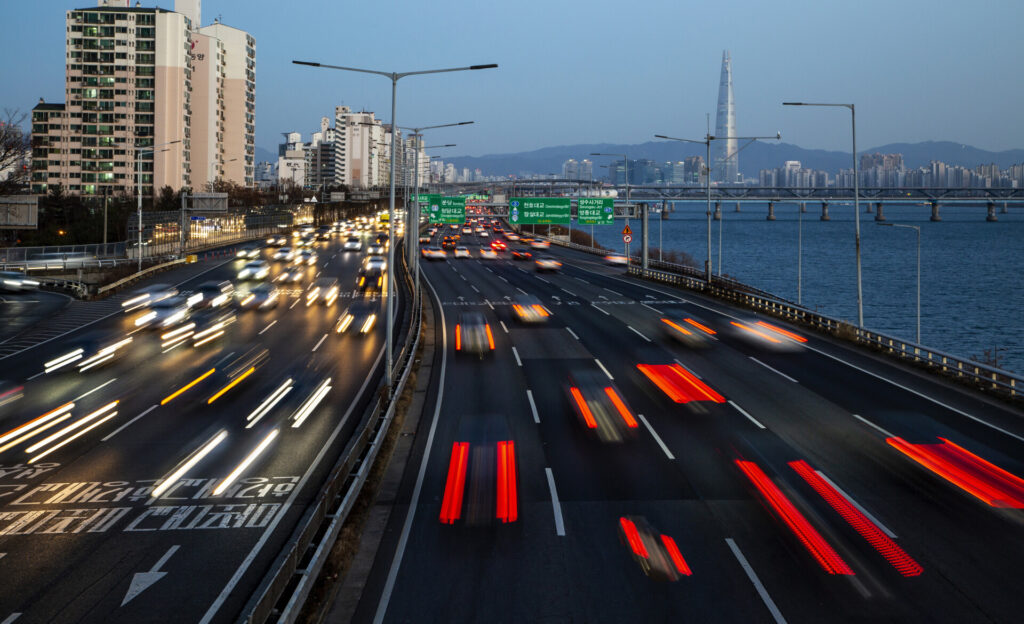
725, 161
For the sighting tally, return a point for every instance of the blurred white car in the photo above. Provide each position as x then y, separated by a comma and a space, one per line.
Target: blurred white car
283, 254
13, 281
353, 244
255, 270
462, 252
616, 259
540, 244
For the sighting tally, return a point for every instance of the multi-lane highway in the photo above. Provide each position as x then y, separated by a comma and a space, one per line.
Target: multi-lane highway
160, 486
775, 474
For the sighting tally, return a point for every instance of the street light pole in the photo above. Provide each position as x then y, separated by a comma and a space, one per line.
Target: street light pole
917, 230
394, 77
856, 198
138, 186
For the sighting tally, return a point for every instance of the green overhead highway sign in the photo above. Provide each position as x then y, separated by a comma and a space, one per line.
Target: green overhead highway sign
431, 198
596, 211
448, 210
539, 210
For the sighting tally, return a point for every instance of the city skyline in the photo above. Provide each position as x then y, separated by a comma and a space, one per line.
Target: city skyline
672, 88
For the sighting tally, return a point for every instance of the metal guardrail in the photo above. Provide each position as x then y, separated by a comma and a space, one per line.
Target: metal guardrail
981, 375
297, 569
135, 276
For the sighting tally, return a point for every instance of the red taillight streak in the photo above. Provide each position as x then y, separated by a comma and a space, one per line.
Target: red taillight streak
829, 560
881, 542
675, 555
490, 336
967, 471
621, 406
677, 327
779, 330
679, 384
451, 504
507, 506
588, 417
759, 334
458, 338
633, 537
707, 330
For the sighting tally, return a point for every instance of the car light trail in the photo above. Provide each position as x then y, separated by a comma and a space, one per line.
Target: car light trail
588, 416
458, 337
507, 506
314, 399
679, 384
66, 430
345, 322
176, 337
269, 403
676, 556
186, 387
815, 544
234, 382
621, 406
145, 318
205, 336
189, 463
779, 330
451, 504
368, 325
976, 476
11, 395
64, 360
679, 328
490, 336
104, 355
250, 458
633, 537
36, 425
759, 334
881, 542
703, 328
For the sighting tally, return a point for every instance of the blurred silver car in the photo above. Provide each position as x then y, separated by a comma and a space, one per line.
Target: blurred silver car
13, 281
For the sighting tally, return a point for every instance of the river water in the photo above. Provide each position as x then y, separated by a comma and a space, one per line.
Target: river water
971, 300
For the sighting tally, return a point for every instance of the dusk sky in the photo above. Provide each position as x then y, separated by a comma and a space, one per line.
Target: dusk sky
619, 72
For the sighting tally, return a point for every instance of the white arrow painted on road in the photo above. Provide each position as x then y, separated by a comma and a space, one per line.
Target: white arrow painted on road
142, 580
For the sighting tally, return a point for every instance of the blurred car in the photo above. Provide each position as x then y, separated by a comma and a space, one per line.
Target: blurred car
164, 313
690, 331
473, 334
370, 280
277, 241
382, 238
323, 233
359, 317
764, 335
616, 259
424, 240
375, 249
526, 240
486, 253
599, 406
547, 263
284, 254
254, 270
498, 245
481, 487
144, 297
657, 554
529, 309
248, 252
354, 243
448, 242
483, 233
262, 297
306, 257
291, 275
214, 294
435, 253
202, 328
462, 252
512, 236
467, 230
521, 254
325, 289
14, 281
306, 240
540, 244
89, 351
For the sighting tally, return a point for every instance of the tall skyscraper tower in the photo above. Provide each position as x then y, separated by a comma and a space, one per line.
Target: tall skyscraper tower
725, 167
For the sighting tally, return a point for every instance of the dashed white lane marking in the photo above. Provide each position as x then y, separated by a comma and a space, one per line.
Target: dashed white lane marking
503, 279
604, 369
656, 437
272, 323
569, 329
489, 304
559, 525
749, 417
581, 279
11, 618
652, 308
873, 425
95, 389
521, 290
533, 407
601, 310
761, 591
776, 371
638, 333
125, 426
568, 292
294, 304
614, 292
474, 288
881, 526
320, 342
503, 326
516, 353
39, 374
542, 279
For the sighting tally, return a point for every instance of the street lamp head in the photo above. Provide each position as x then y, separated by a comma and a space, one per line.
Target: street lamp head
778, 136
792, 103
489, 66
311, 64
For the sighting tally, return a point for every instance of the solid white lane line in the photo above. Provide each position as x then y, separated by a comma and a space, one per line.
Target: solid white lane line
657, 438
749, 417
559, 525
601, 310
638, 333
873, 425
320, 342
569, 329
533, 407
521, 290
761, 591
95, 389
272, 323
474, 288
604, 369
125, 426
881, 526
777, 372
503, 326
650, 308
516, 353
920, 394
615, 292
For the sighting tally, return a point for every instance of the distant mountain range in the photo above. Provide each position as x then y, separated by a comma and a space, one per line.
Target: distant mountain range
760, 155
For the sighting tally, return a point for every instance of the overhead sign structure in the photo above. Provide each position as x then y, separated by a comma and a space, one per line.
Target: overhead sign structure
595, 211
429, 198
448, 210
539, 210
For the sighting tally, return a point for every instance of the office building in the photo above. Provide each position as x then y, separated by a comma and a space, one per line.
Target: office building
725, 161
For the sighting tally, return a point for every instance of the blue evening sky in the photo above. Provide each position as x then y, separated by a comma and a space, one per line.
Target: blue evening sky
600, 71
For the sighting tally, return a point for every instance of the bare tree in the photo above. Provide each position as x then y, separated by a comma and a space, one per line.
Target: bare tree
15, 147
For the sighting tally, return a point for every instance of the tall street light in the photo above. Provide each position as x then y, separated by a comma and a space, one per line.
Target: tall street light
706, 141
917, 229
394, 77
856, 198
625, 170
138, 185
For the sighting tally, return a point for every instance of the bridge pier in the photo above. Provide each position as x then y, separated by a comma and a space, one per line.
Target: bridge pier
879, 216
718, 211
935, 211
738, 207
803, 206
824, 212
771, 211
991, 212
1005, 208
868, 210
